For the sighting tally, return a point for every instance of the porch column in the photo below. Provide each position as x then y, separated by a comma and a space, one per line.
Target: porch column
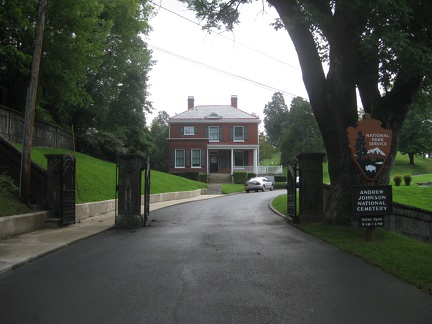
232, 161
255, 161
208, 160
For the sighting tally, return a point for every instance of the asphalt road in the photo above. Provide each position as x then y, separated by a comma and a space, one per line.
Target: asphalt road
222, 260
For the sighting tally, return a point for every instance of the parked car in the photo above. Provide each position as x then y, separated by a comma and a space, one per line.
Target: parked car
258, 183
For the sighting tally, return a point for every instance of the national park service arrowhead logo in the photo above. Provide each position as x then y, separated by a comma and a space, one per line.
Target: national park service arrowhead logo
370, 146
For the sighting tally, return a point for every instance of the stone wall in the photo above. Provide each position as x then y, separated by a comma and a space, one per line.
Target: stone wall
44, 134
410, 221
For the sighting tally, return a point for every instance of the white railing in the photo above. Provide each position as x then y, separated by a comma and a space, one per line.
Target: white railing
260, 170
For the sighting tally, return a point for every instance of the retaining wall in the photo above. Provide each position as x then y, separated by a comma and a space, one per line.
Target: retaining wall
410, 221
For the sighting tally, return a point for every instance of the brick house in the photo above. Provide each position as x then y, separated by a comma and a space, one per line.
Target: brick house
213, 139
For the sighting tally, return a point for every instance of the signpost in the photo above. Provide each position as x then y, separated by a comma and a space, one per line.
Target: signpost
370, 146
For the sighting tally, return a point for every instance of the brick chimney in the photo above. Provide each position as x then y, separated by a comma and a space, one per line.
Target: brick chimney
234, 101
191, 102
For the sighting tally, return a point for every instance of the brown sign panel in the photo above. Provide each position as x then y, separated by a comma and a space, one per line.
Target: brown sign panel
370, 146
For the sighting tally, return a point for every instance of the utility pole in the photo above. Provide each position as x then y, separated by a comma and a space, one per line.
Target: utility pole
30, 104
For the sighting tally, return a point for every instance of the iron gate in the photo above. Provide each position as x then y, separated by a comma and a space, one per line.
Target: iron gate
147, 191
67, 209
292, 190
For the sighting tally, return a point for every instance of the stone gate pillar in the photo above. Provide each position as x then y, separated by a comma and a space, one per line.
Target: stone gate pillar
129, 191
311, 186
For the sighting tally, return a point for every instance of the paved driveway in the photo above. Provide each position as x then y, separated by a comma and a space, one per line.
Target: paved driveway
223, 260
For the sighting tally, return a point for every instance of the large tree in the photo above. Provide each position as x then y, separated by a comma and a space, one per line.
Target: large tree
416, 137
266, 150
275, 115
17, 33
379, 48
94, 65
160, 132
301, 133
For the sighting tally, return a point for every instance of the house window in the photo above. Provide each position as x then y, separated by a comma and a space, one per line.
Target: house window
214, 134
189, 130
238, 133
179, 158
196, 158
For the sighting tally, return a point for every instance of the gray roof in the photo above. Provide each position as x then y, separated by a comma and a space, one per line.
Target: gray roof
214, 112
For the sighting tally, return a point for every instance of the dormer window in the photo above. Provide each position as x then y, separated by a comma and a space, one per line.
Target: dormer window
213, 115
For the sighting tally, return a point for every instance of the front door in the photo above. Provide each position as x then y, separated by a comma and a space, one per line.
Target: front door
214, 163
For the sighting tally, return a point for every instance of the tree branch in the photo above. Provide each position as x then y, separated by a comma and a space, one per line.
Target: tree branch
302, 38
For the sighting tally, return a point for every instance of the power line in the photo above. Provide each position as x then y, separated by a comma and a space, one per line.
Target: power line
256, 83
226, 37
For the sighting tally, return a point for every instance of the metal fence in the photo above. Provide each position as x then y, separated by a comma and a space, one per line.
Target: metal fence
260, 170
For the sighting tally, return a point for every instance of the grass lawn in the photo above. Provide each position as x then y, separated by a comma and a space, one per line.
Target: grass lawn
405, 258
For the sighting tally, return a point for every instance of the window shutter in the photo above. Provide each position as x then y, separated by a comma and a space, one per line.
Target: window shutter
195, 130
182, 130
206, 135
172, 158
246, 157
220, 133
246, 136
203, 158
231, 133
188, 158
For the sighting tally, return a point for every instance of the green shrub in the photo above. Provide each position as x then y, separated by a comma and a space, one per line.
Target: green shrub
101, 145
251, 175
203, 177
7, 184
280, 178
240, 177
397, 178
407, 179
279, 185
190, 175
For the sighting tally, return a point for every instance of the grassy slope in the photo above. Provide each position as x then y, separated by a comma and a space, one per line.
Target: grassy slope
96, 180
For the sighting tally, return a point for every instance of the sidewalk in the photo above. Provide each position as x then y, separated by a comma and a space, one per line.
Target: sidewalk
25, 248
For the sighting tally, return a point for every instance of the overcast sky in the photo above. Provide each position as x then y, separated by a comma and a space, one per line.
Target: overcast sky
253, 62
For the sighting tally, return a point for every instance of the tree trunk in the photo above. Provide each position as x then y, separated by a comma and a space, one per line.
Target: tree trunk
411, 158
30, 106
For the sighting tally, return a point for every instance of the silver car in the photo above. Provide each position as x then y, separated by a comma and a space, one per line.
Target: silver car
258, 183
